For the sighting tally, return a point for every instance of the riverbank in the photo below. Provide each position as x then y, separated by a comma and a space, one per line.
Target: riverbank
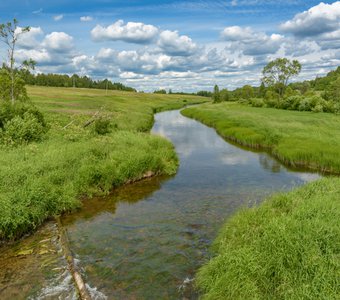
288, 247
299, 139
40, 180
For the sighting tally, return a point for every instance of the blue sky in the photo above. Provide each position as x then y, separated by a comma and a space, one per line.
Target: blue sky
183, 45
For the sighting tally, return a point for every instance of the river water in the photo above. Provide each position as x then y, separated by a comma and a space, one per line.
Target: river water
146, 240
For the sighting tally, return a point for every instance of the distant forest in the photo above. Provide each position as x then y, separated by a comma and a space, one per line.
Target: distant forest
57, 80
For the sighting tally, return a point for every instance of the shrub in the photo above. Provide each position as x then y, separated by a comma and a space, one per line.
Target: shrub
102, 126
257, 102
317, 108
21, 123
291, 102
23, 129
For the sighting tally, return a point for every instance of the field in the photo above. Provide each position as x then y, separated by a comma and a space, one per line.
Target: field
40, 180
288, 247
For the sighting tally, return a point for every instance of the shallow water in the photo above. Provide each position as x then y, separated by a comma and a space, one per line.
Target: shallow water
35, 268
147, 240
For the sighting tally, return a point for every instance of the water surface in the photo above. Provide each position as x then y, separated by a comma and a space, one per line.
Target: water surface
147, 240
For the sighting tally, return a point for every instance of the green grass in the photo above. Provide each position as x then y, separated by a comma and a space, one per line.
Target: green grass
302, 139
288, 247
40, 180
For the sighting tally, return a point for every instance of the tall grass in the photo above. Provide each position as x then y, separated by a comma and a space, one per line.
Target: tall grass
43, 179
302, 139
288, 248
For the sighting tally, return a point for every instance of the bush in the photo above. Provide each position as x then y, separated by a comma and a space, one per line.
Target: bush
291, 103
257, 102
102, 126
21, 123
317, 108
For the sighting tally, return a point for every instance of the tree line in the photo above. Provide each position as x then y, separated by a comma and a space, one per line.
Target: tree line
319, 95
58, 80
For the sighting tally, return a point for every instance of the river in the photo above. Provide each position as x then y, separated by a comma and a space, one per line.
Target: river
146, 240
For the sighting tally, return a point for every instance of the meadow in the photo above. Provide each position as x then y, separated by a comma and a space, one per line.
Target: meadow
289, 246
73, 162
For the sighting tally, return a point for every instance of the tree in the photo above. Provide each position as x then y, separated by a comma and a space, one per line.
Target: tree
278, 72
216, 95
162, 91
9, 34
224, 94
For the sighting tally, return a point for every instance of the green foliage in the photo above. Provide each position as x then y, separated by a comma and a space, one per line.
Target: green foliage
288, 248
22, 129
102, 126
333, 91
216, 95
323, 83
160, 92
278, 72
58, 80
21, 123
19, 91
204, 93
257, 102
224, 94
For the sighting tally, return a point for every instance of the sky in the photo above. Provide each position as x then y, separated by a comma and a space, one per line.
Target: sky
179, 45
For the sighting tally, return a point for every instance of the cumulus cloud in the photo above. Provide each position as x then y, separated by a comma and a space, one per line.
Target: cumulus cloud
58, 17
58, 42
174, 44
251, 42
319, 19
29, 39
86, 19
292, 47
130, 32
40, 56
130, 75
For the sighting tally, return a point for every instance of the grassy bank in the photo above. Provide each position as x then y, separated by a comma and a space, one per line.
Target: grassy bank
43, 179
302, 139
289, 247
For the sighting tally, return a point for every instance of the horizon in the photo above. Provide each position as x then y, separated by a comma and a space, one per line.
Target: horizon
185, 46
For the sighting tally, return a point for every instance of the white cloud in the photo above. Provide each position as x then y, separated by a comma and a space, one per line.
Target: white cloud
178, 75
130, 75
319, 19
58, 17
40, 56
173, 44
130, 32
58, 42
251, 42
29, 39
86, 19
